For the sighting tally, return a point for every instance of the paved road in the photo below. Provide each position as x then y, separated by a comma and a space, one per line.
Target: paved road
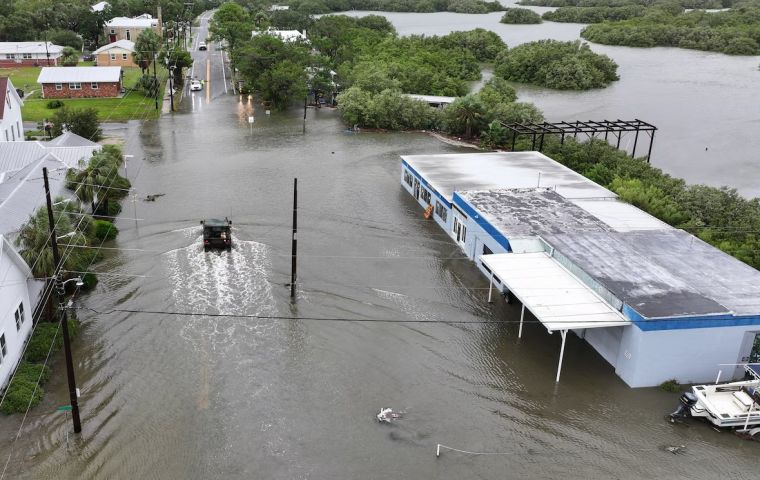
208, 66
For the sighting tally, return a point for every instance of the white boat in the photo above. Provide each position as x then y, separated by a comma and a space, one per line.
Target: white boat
726, 405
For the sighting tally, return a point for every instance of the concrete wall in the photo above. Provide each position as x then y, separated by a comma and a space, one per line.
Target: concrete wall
120, 33
606, 341
14, 292
105, 89
649, 358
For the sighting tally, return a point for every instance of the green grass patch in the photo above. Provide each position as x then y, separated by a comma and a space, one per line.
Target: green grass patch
23, 77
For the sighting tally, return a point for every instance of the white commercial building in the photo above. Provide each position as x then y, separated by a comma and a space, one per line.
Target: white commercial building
655, 302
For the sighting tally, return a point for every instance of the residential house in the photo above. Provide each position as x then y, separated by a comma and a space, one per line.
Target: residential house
19, 292
11, 124
29, 54
287, 36
124, 28
80, 82
100, 6
655, 302
118, 53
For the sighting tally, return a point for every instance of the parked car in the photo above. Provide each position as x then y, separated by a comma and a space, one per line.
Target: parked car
88, 57
202, 46
217, 233
196, 86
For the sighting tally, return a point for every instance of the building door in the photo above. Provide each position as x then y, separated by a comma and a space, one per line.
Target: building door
111, 38
416, 189
460, 231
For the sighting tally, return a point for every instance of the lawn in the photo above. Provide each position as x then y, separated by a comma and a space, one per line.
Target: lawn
133, 106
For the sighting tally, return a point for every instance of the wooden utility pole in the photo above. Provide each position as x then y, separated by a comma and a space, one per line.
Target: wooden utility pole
294, 253
58, 286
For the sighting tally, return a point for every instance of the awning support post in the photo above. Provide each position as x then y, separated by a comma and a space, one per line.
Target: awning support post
561, 353
490, 287
522, 316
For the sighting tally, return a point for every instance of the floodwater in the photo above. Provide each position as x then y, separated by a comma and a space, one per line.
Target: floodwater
264, 389
705, 105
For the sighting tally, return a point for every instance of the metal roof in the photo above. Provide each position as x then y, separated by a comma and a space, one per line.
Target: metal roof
79, 74
16, 155
23, 192
664, 273
621, 216
30, 47
70, 139
69, 148
123, 44
132, 22
100, 6
432, 98
557, 298
487, 171
530, 211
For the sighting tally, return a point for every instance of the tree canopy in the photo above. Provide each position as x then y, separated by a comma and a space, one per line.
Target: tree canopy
520, 16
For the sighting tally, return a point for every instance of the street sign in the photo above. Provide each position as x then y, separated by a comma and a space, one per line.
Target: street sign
250, 119
64, 408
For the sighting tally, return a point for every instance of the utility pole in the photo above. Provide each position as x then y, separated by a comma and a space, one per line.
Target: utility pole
294, 253
62, 310
305, 100
155, 77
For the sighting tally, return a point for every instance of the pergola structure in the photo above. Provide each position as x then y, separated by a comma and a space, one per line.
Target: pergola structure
591, 128
557, 299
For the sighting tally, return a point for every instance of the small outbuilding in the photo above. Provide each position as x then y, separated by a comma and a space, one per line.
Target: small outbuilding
118, 53
80, 82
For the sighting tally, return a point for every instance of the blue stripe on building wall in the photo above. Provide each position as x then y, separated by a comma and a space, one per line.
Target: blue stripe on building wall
426, 184
683, 323
484, 224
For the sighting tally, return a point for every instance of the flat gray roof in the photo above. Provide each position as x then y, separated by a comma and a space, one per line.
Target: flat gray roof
664, 273
486, 171
531, 211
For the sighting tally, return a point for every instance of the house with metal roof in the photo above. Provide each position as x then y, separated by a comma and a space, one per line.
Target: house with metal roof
655, 302
11, 123
118, 53
125, 28
80, 82
29, 54
287, 36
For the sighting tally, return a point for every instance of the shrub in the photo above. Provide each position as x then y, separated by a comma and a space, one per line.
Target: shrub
39, 345
520, 16
105, 230
52, 104
20, 396
671, 386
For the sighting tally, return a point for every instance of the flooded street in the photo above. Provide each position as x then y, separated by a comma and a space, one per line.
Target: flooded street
252, 393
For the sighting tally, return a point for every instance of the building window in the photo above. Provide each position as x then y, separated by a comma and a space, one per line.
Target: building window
19, 314
3, 348
129, 37
440, 210
425, 196
408, 177
123, 56
59, 86
113, 56
10, 56
113, 31
27, 56
75, 86
94, 86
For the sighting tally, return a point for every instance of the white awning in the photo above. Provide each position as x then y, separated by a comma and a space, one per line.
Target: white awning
555, 296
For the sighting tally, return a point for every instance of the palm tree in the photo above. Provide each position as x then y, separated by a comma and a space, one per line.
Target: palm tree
147, 46
92, 178
467, 113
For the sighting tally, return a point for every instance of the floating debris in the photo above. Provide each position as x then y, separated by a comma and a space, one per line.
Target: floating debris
675, 449
387, 414
152, 198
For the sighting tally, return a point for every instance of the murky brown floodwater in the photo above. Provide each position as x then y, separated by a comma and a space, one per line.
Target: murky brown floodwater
178, 397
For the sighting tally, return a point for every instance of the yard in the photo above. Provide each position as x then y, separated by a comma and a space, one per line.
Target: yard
133, 105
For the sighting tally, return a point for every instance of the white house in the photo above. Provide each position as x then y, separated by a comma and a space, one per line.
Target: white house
11, 123
29, 54
100, 6
16, 307
287, 36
